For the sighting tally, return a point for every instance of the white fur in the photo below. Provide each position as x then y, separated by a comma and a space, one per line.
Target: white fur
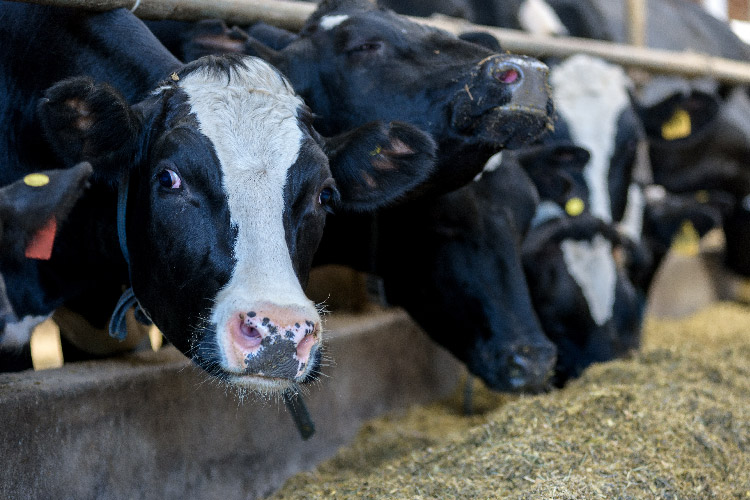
252, 123
330, 22
591, 94
592, 266
631, 224
537, 17
492, 164
16, 335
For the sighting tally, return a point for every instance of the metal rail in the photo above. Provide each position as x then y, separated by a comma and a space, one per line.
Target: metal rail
291, 15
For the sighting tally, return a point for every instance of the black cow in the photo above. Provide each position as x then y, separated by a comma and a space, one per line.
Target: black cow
454, 263
353, 63
31, 210
699, 139
209, 174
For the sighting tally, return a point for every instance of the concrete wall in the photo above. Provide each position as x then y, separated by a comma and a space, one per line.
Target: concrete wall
152, 426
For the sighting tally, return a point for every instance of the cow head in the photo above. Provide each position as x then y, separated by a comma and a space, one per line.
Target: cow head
578, 274
454, 264
593, 100
699, 139
354, 62
229, 187
31, 210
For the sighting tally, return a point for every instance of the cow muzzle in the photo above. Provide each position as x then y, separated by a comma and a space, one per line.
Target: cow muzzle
271, 347
506, 101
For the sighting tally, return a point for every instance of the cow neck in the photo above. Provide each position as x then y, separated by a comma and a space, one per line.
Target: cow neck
118, 324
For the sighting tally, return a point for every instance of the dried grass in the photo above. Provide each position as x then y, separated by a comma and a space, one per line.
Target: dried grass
671, 423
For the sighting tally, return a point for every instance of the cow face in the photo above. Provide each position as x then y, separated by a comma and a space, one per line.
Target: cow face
31, 209
699, 139
455, 267
593, 99
586, 304
353, 63
229, 187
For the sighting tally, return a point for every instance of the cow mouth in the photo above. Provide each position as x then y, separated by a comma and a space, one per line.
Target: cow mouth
507, 126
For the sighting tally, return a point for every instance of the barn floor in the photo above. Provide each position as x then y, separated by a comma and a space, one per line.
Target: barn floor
673, 422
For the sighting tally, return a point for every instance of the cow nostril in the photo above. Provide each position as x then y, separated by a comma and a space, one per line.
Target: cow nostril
508, 75
250, 331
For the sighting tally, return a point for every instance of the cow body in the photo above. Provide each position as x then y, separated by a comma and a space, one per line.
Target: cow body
223, 186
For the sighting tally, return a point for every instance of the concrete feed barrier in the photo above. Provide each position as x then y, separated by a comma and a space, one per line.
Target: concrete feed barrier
152, 426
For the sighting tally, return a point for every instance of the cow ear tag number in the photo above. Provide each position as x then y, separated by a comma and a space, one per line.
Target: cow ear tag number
574, 207
36, 180
677, 127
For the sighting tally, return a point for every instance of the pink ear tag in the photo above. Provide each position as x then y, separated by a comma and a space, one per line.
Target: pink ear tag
40, 246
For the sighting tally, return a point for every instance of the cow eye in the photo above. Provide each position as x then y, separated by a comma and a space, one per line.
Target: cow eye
169, 179
365, 47
326, 198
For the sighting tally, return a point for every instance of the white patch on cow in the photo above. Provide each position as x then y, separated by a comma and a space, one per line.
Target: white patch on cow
591, 94
655, 193
492, 164
631, 224
330, 22
16, 335
547, 210
537, 17
592, 266
252, 123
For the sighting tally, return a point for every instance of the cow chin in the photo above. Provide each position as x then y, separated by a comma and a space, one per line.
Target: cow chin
510, 126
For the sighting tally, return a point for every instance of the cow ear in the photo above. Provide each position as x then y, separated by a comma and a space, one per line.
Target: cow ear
379, 163
679, 116
86, 121
213, 37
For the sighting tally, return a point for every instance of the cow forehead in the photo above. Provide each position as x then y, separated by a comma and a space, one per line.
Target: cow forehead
591, 95
250, 117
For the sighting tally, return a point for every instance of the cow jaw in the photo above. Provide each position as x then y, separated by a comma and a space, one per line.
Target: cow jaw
252, 122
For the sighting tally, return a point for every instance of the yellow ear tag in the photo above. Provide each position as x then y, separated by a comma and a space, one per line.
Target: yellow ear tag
574, 207
36, 180
376, 151
677, 127
687, 242
174, 77
702, 196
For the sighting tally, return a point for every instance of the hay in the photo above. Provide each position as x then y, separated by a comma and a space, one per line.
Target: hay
673, 422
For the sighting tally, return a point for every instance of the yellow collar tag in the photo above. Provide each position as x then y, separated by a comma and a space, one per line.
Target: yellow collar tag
36, 180
574, 207
677, 127
687, 242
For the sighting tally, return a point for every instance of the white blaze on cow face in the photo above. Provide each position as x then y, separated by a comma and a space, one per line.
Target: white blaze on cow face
592, 266
591, 95
537, 17
252, 123
330, 22
632, 220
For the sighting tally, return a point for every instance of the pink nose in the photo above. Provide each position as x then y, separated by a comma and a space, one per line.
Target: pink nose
272, 341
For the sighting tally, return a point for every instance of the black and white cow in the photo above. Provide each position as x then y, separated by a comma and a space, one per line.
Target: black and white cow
354, 62
31, 210
223, 186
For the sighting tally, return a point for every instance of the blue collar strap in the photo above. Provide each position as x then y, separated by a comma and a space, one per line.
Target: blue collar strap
118, 324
